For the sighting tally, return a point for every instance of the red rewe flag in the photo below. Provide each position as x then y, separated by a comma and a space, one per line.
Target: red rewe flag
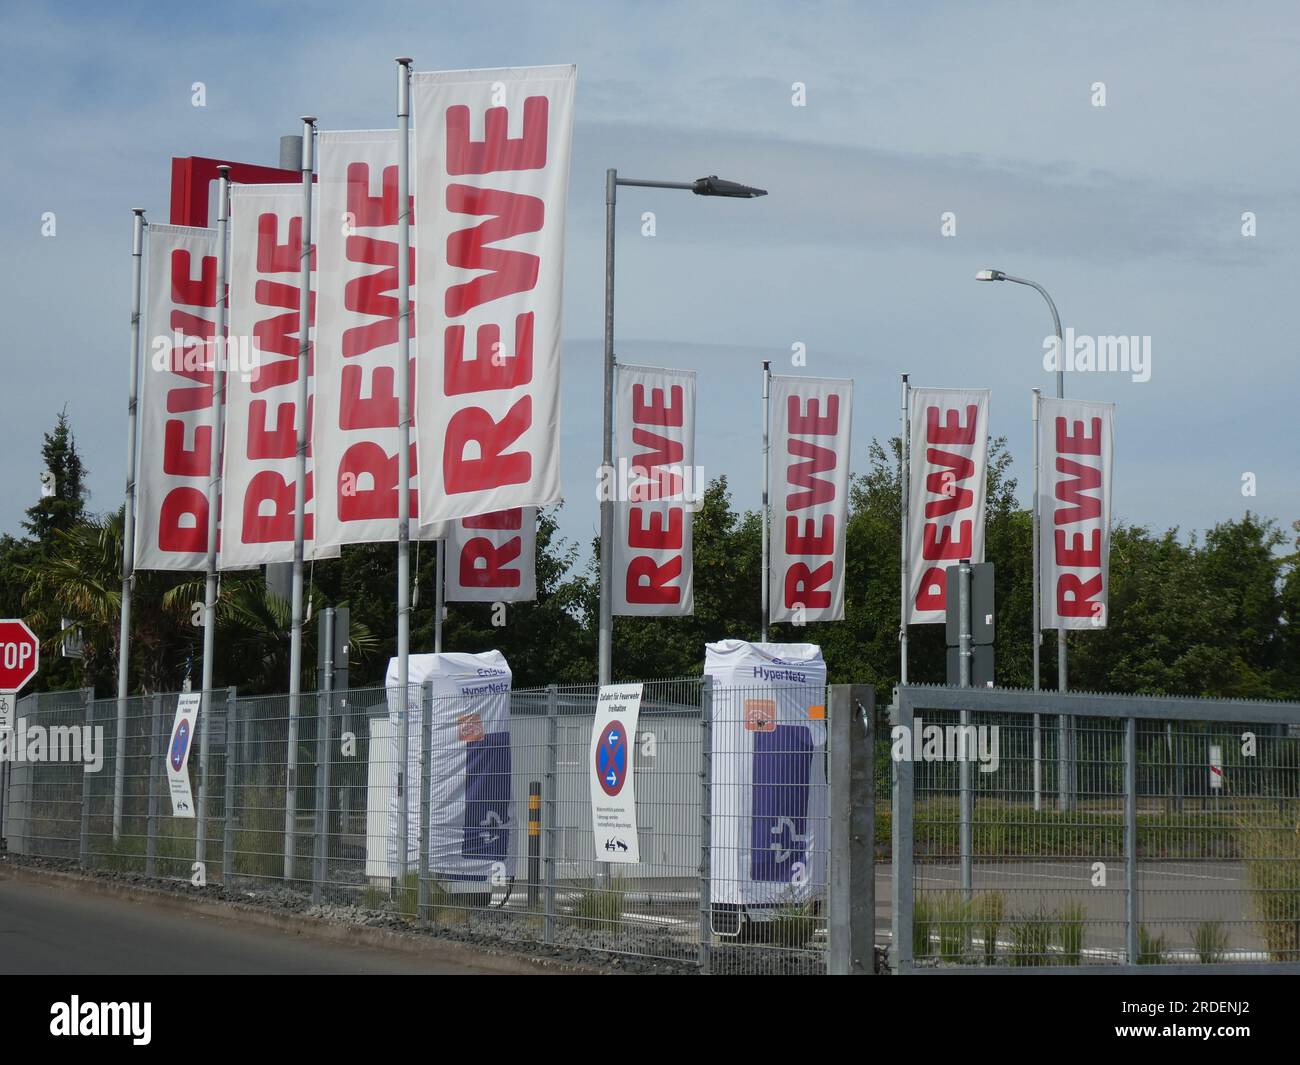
492, 161
1076, 443
948, 479
175, 412
259, 480
491, 558
355, 427
655, 490
808, 496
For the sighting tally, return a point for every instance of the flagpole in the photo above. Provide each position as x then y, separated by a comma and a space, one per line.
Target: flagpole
1036, 627
214, 506
904, 502
403, 446
128, 528
767, 423
439, 593
299, 499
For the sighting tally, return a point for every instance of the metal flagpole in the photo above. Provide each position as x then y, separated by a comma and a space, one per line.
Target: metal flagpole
1036, 627
300, 499
128, 529
403, 448
604, 664
904, 501
439, 593
767, 424
214, 506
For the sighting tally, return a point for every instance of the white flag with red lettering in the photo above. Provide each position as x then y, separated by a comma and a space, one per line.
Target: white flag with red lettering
175, 399
946, 492
809, 497
654, 471
259, 482
1076, 442
492, 161
355, 426
491, 558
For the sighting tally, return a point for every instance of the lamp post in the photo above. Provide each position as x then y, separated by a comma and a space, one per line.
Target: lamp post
705, 186
998, 275
1064, 730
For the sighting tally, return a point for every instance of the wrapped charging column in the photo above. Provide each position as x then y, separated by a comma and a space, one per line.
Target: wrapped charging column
471, 827
768, 794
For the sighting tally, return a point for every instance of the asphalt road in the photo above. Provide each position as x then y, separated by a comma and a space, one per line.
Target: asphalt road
52, 929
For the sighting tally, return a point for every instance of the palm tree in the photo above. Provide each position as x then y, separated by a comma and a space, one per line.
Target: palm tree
253, 625
81, 578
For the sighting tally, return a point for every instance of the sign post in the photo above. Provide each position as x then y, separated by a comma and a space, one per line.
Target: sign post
613, 789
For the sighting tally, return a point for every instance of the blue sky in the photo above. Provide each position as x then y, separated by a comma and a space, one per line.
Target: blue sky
1130, 214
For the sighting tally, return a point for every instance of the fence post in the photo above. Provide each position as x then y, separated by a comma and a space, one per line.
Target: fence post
863, 840
839, 805
901, 849
155, 770
324, 687
1130, 840
851, 904
83, 850
706, 823
228, 802
552, 804
426, 789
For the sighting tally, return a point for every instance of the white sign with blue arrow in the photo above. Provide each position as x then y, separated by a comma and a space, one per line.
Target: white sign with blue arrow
613, 788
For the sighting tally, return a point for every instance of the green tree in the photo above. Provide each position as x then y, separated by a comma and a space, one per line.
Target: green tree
63, 495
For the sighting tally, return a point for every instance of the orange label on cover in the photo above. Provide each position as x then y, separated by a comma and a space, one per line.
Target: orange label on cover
469, 727
817, 713
760, 715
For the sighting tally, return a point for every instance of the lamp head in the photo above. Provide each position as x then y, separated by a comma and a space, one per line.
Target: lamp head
716, 186
990, 275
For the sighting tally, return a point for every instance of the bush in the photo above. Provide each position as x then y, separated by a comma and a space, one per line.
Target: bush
1031, 937
987, 911
600, 907
953, 919
1210, 939
1069, 932
796, 923
921, 920
1152, 949
1271, 851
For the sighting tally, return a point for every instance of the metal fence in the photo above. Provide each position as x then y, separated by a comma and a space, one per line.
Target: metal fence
1036, 829
737, 870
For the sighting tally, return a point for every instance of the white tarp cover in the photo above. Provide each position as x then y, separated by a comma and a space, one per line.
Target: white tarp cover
768, 840
472, 844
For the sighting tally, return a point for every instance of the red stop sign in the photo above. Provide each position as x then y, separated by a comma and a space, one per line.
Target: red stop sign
20, 654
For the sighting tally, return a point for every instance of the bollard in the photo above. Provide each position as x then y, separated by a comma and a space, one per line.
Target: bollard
534, 842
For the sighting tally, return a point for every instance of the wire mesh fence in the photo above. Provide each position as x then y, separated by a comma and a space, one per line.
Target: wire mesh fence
470, 815
1167, 835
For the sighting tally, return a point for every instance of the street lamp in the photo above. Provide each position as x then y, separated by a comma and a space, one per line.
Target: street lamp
999, 275
1061, 678
705, 186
